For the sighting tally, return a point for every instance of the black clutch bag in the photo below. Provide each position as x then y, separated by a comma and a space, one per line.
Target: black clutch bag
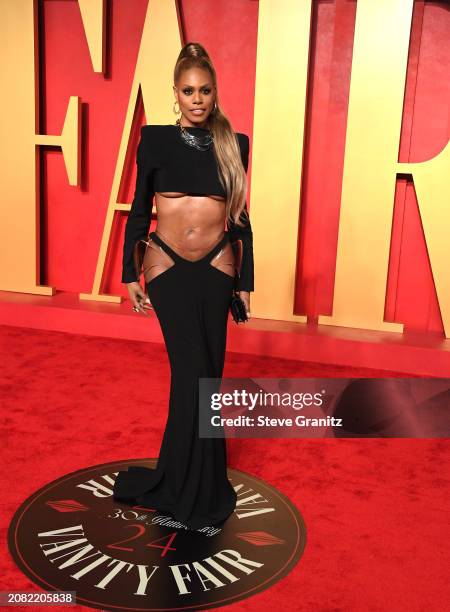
238, 310
237, 306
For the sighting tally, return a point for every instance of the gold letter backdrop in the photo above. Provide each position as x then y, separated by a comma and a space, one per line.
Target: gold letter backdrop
379, 63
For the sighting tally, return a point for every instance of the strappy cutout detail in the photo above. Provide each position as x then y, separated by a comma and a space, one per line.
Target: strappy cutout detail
224, 260
160, 257
177, 258
156, 261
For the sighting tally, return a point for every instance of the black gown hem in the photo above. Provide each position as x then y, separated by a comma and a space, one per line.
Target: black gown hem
135, 486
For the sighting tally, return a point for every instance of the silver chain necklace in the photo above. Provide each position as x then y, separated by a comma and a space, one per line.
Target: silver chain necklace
202, 143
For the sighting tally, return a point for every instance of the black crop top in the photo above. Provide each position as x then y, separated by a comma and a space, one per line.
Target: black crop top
166, 163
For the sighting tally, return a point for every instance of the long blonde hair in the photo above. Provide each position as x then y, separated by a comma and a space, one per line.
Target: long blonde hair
232, 174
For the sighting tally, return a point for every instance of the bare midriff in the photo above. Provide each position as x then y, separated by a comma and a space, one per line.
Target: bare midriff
190, 224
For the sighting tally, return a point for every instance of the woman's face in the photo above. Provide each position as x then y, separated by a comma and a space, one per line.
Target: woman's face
196, 96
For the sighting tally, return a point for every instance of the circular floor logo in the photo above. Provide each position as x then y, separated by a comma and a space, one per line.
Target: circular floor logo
71, 535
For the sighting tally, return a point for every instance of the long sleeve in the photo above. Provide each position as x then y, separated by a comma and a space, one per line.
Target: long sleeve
246, 280
140, 214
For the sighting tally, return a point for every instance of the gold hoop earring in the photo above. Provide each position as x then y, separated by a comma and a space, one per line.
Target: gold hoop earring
173, 108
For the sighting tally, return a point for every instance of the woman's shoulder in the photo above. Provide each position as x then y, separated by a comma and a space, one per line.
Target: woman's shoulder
157, 130
243, 140
154, 127
157, 138
244, 146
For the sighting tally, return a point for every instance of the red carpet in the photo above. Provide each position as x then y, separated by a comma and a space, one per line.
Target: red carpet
376, 511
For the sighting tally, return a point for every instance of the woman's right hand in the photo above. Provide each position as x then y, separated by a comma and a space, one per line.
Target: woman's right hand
139, 298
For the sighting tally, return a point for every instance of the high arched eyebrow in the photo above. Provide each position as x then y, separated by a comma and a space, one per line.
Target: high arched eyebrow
201, 86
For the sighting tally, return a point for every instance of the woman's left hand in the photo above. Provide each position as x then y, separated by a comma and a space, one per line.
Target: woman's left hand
245, 297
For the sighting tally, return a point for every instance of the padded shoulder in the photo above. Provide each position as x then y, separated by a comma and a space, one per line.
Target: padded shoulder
154, 139
242, 137
244, 144
156, 129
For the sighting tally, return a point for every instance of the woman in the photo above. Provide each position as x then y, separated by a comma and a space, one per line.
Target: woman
197, 171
